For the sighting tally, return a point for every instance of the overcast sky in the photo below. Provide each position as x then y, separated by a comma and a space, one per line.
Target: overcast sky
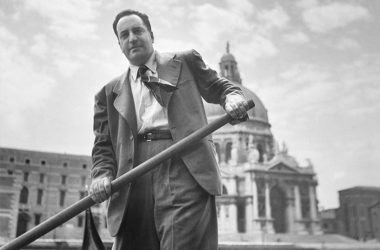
314, 64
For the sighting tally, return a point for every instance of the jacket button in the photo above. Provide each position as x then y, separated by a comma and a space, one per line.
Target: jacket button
130, 160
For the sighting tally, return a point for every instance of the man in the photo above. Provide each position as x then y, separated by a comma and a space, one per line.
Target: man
172, 206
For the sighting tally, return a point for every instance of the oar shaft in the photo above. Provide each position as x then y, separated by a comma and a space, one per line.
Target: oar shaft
116, 184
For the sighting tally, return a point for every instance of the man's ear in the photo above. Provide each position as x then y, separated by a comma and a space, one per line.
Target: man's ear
152, 36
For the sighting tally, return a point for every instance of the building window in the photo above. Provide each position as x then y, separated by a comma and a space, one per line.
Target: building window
217, 149
84, 166
227, 211
225, 70
10, 172
37, 219
63, 179
24, 195
40, 194
83, 180
43, 163
65, 164
12, 159
26, 176
224, 190
42, 178
261, 152
27, 161
62, 195
80, 221
228, 151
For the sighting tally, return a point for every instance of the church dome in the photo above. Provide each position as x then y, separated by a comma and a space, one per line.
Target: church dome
258, 113
227, 57
229, 69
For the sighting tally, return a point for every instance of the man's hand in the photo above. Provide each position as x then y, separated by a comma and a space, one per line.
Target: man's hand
236, 106
100, 189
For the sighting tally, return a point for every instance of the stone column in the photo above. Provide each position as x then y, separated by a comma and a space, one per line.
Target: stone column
315, 225
268, 212
299, 225
313, 205
297, 202
234, 151
253, 225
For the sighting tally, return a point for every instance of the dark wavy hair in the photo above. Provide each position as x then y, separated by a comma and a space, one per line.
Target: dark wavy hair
129, 12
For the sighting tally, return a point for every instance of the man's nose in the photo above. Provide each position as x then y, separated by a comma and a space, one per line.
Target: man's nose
132, 37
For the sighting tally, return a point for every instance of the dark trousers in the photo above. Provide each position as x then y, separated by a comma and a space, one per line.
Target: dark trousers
167, 209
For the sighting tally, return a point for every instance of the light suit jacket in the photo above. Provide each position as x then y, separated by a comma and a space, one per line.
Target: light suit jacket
115, 125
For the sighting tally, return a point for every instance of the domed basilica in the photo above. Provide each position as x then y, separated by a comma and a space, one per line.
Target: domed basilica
264, 188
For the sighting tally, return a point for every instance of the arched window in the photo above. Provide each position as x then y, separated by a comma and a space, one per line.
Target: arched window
228, 151
217, 149
261, 152
24, 195
224, 191
22, 223
225, 70
62, 196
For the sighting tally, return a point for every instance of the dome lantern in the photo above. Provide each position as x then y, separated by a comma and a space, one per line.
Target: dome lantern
228, 66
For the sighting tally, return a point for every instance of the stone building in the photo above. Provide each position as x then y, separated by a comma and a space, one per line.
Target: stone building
264, 188
359, 212
37, 185
329, 221
374, 220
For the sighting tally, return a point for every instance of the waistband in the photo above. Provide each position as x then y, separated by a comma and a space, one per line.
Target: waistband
155, 135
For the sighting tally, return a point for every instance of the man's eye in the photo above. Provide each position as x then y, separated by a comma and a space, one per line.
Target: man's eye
138, 31
124, 35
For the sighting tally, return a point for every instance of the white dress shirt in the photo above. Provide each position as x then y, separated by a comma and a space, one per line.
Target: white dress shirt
149, 113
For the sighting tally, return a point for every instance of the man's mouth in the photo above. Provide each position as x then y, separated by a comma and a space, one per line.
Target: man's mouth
135, 47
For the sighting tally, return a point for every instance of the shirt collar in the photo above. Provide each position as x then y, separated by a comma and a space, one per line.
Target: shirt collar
151, 64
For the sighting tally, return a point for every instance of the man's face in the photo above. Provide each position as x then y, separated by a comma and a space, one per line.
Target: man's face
134, 39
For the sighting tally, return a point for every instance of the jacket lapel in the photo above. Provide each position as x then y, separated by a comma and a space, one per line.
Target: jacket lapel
124, 103
168, 69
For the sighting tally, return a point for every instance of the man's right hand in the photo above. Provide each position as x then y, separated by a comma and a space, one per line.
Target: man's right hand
100, 189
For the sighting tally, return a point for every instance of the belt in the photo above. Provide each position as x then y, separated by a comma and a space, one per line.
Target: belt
155, 135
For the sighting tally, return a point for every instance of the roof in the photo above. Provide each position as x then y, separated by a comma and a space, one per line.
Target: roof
227, 57
361, 188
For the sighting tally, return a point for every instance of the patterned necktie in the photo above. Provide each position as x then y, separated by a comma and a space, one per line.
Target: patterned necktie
156, 85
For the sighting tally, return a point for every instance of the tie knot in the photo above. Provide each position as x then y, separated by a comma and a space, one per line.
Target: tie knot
142, 70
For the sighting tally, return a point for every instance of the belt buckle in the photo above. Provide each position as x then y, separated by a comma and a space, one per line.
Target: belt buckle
148, 136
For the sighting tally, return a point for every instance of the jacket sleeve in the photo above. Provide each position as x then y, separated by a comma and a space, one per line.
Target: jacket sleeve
212, 88
103, 156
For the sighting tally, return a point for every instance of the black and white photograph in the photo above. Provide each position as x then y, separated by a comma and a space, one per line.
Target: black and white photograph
189, 125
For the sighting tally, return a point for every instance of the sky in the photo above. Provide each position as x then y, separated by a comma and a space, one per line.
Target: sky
314, 64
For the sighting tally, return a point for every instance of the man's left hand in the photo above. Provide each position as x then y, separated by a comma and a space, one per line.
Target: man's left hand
236, 106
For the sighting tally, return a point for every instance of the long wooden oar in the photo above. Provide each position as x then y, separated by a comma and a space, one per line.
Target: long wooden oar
116, 184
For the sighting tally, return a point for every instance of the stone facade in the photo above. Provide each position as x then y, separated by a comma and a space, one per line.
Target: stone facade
265, 189
359, 212
36, 185
329, 221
